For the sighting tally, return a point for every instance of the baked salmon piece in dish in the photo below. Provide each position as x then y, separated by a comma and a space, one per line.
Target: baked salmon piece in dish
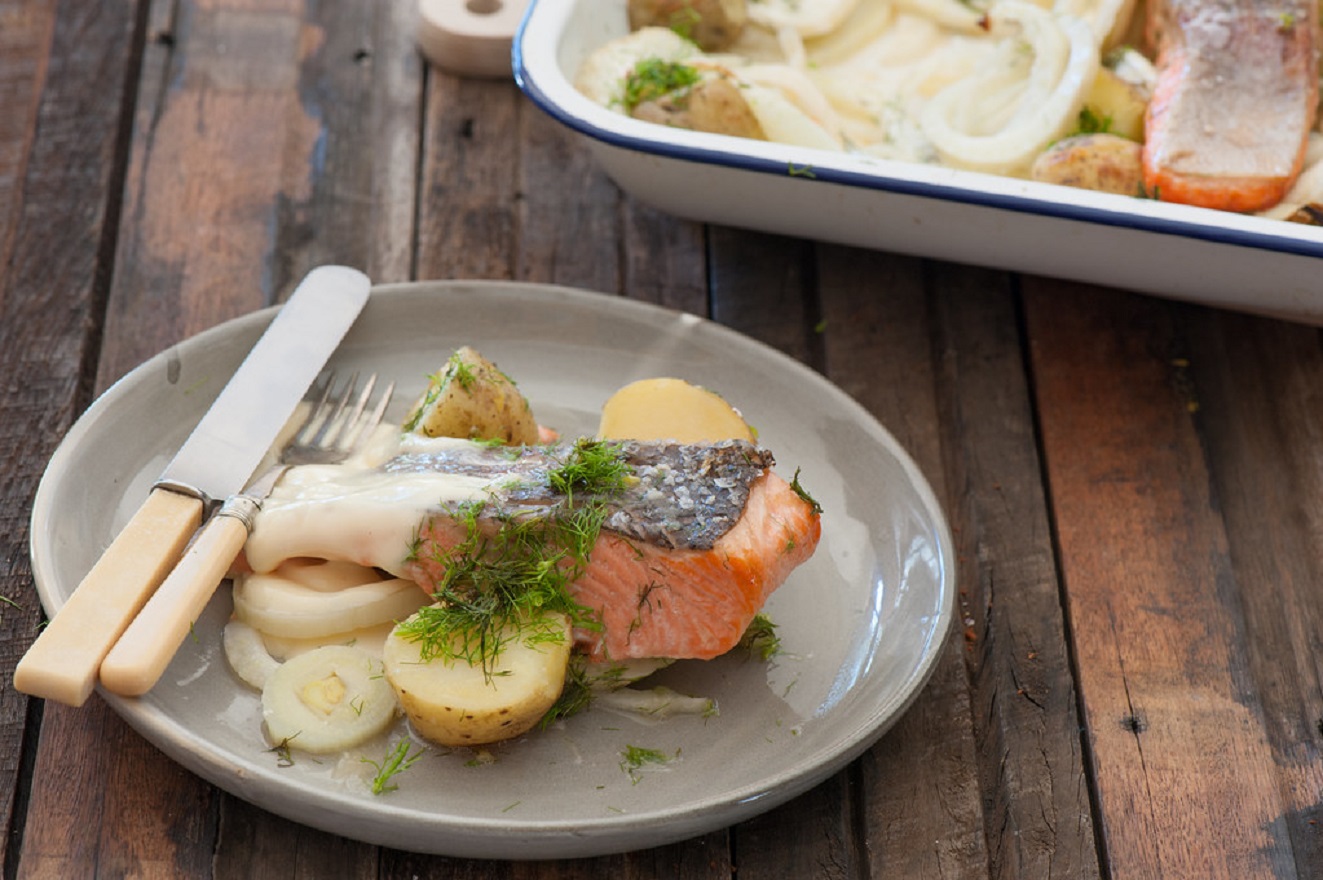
1234, 103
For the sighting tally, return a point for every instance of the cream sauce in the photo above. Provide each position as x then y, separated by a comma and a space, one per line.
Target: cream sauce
354, 511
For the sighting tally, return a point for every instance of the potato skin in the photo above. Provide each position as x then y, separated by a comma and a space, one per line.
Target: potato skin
1102, 162
470, 398
458, 704
712, 24
714, 104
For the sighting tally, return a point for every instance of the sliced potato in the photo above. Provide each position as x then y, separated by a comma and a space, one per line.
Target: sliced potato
670, 409
327, 700
472, 399
454, 703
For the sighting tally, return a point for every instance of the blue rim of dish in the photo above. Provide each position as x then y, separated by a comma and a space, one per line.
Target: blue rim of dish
527, 82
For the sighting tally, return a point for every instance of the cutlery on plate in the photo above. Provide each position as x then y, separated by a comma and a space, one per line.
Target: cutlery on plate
334, 428
215, 461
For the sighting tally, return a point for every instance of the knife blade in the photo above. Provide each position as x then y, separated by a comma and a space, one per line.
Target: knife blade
216, 460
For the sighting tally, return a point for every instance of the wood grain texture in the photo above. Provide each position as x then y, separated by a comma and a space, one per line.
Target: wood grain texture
1257, 385
258, 846
247, 167
62, 88
1038, 815
1181, 758
918, 786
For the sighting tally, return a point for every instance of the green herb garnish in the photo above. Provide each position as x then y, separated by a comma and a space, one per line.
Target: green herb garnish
760, 638
396, 761
634, 758
802, 493
652, 78
1091, 123
511, 570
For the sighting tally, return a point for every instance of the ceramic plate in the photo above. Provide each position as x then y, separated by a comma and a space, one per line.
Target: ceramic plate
861, 623
1214, 257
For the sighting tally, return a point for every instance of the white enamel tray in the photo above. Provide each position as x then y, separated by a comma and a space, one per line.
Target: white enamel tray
1230, 260
861, 623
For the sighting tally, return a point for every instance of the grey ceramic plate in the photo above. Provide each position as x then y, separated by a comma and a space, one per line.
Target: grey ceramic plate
862, 623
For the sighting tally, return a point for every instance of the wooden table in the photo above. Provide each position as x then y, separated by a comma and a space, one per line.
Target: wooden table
1133, 690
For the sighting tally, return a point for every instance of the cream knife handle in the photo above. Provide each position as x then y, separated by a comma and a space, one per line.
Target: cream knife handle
141, 655
63, 662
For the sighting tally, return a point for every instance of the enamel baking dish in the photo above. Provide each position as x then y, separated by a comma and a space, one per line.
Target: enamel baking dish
1235, 261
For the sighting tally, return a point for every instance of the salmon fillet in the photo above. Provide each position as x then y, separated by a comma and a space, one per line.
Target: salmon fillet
666, 579
1236, 98
695, 604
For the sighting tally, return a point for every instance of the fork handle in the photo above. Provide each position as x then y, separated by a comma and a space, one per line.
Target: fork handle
62, 663
140, 657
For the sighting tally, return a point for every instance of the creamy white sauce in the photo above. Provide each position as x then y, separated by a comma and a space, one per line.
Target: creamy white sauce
356, 512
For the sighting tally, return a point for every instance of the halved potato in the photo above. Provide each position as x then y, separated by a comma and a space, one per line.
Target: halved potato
670, 409
455, 703
470, 398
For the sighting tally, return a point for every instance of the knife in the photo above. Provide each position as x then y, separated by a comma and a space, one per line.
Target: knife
215, 462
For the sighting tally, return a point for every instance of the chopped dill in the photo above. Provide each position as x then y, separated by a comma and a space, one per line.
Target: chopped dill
283, 752
684, 20
575, 697
760, 638
504, 578
593, 467
652, 78
635, 758
396, 761
802, 493
1091, 123
456, 370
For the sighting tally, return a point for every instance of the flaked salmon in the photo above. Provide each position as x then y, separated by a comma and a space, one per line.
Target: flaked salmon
688, 552
1236, 98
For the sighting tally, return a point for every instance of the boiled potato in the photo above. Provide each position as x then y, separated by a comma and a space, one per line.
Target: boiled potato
1121, 103
454, 703
1102, 162
470, 398
712, 24
670, 409
715, 103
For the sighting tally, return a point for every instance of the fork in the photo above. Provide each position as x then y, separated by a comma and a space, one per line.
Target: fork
334, 428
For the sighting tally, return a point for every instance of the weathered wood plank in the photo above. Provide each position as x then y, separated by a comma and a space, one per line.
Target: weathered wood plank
1038, 817
258, 846
1256, 386
703, 858
570, 213
1179, 752
250, 164
918, 786
468, 211
62, 80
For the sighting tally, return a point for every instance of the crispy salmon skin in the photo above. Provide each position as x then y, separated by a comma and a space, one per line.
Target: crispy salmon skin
685, 559
1235, 101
